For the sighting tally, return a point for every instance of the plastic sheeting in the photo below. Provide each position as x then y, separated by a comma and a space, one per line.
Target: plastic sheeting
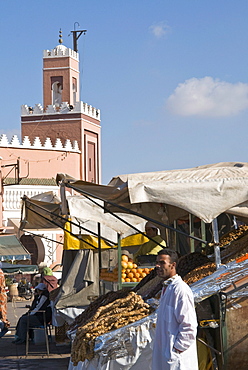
226, 276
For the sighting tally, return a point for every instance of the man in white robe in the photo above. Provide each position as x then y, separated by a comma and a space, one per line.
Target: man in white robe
175, 338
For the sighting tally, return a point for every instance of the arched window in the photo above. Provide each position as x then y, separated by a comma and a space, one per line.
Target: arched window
56, 94
74, 90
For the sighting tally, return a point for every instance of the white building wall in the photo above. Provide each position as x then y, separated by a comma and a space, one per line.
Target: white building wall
12, 203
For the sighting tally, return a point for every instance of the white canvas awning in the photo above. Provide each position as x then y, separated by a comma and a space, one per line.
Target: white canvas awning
89, 215
204, 191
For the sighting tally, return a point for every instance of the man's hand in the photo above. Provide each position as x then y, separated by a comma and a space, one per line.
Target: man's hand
176, 350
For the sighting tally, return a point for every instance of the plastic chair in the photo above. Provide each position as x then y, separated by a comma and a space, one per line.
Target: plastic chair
46, 327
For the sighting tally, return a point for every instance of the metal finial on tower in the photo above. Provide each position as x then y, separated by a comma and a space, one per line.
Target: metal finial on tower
60, 36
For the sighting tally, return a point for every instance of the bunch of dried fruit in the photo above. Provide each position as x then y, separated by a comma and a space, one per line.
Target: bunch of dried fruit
200, 272
114, 315
190, 261
233, 235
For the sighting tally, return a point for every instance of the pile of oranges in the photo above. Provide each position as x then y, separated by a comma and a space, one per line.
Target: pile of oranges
130, 272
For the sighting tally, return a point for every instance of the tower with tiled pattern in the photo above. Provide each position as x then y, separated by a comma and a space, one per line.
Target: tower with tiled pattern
63, 116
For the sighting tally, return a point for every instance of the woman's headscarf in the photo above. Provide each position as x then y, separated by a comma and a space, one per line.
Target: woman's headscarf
47, 271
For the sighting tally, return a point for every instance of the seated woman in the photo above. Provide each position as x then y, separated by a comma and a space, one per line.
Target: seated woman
41, 302
50, 281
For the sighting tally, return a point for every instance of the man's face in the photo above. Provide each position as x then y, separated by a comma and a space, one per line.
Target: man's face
151, 232
165, 269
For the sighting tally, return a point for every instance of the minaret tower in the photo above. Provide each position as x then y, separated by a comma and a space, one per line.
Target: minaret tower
60, 76
63, 116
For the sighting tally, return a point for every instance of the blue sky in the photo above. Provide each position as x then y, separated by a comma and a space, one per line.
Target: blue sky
170, 77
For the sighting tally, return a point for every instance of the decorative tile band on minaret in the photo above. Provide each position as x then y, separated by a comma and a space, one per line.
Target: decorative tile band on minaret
26, 144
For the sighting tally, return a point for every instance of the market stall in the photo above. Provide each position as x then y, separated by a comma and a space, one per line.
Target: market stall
206, 192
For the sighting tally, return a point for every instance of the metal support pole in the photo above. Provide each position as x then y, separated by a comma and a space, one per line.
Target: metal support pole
99, 245
119, 261
76, 34
191, 232
207, 345
216, 242
203, 232
175, 236
99, 253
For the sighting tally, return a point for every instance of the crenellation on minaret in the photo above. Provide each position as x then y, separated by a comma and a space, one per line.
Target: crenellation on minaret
60, 51
58, 144
38, 109
68, 145
65, 108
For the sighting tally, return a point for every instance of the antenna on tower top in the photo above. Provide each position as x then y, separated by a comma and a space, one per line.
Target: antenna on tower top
76, 34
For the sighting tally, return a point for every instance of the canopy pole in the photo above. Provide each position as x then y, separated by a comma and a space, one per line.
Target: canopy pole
216, 243
99, 252
191, 232
119, 260
99, 245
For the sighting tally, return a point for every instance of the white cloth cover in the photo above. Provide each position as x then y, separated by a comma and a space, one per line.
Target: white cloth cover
204, 191
89, 214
